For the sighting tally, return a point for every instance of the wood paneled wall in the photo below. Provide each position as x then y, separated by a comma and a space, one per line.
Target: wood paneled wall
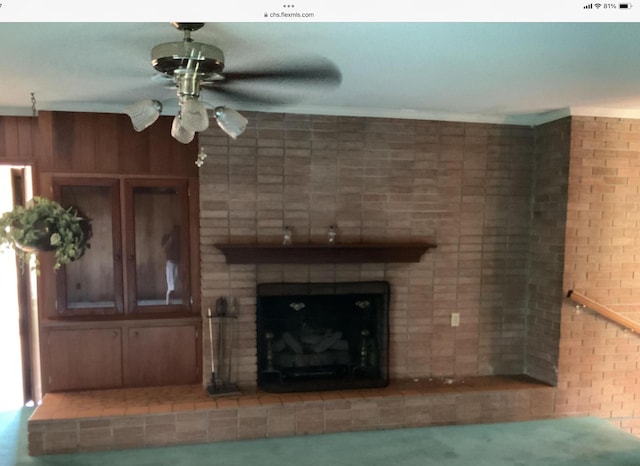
94, 143
17, 139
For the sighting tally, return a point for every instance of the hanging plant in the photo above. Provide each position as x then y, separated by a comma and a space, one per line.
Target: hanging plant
44, 225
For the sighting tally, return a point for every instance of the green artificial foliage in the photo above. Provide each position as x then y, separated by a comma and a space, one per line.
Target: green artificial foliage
44, 225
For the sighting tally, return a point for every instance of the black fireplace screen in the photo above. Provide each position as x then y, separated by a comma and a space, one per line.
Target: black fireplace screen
322, 336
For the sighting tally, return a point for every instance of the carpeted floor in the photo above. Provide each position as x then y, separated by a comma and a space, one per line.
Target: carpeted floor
563, 442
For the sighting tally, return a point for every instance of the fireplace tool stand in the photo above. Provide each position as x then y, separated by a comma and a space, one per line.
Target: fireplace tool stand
220, 383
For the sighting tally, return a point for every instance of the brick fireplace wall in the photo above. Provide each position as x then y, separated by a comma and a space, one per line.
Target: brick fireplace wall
549, 217
465, 186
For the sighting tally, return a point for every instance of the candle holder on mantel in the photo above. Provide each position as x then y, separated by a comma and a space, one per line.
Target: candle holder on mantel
287, 236
222, 323
331, 235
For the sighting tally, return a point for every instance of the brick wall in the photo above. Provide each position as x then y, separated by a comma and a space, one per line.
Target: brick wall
549, 215
465, 186
598, 367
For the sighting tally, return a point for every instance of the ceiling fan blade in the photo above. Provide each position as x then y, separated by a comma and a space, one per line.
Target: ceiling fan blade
243, 96
322, 71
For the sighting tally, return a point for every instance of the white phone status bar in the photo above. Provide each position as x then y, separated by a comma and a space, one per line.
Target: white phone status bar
320, 11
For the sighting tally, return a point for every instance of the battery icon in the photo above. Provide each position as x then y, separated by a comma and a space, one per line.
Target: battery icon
624, 5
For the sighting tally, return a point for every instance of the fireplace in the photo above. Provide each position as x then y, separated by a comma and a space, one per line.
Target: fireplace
322, 336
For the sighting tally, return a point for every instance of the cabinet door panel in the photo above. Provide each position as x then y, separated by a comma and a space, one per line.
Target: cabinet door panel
157, 226
161, 356
92, 285
79, 359
158, 246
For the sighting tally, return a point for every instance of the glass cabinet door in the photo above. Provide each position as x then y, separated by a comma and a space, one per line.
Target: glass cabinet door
92, 285
158, 247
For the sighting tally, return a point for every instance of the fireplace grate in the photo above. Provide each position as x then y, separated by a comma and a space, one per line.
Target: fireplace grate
322, 336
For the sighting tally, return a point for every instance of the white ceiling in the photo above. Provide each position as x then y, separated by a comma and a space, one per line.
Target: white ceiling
523, 73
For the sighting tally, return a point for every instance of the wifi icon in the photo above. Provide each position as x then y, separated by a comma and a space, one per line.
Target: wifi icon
597, 5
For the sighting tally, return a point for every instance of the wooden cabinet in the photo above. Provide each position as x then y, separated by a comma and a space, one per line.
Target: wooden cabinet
126, 314
124, 355
173, 361
134, 187
140, 259
82, 358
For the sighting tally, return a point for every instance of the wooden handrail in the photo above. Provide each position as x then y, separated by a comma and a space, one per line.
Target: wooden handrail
604, 311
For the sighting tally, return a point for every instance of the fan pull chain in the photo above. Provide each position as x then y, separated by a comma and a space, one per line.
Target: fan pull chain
34, 110
201, 156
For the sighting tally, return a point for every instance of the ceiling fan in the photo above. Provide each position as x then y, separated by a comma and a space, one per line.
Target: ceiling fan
192, 67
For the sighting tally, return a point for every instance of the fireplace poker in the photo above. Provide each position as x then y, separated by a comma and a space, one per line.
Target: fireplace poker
212, 385
233, 314
220, 311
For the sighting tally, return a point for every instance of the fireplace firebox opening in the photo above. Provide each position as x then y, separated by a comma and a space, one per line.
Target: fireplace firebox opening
322, 336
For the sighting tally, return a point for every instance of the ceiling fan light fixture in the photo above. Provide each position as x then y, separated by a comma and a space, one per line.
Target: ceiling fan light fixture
195, 66
230, 121
144, 113
179, 132
194, 115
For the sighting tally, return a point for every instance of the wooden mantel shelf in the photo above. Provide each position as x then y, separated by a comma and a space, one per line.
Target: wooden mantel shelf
340, 253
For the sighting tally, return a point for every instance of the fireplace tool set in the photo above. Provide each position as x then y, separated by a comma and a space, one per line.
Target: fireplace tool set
223, 321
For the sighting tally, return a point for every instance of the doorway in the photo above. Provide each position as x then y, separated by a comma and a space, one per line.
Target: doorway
15, 291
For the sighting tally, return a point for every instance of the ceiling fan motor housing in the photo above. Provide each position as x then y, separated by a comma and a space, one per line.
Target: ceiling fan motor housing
204, 59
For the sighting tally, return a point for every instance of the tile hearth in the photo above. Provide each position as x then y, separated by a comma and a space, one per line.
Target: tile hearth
144, 417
